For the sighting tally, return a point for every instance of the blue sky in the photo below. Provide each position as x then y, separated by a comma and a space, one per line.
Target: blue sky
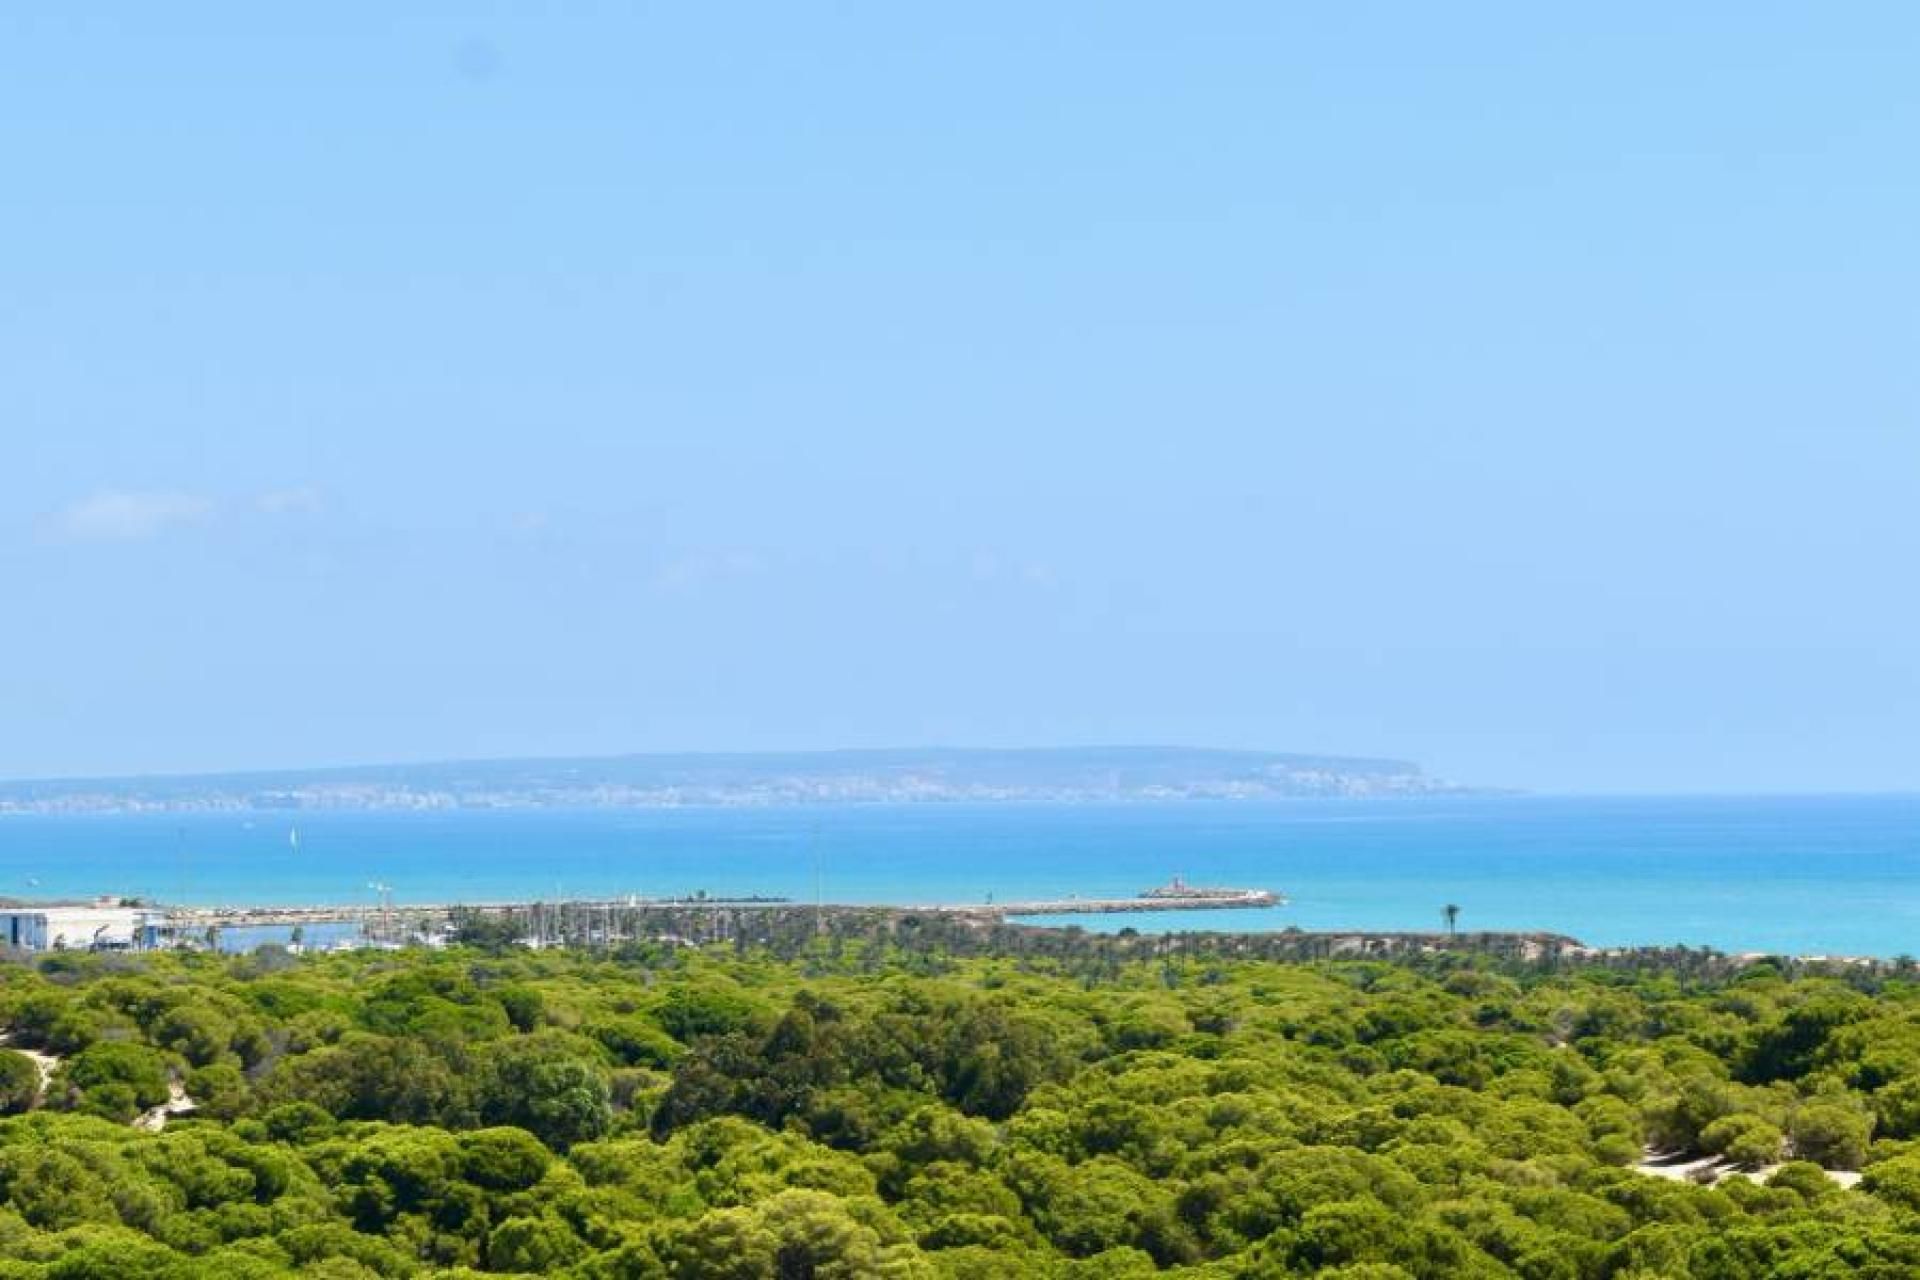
1527, 390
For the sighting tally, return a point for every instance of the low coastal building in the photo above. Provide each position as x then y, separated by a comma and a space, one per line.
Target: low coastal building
104, 924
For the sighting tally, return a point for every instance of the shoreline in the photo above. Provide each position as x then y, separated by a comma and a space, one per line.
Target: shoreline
395, 921
599, 923
241, 917
1774, 878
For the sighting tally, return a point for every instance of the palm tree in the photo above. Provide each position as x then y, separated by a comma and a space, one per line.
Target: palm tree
1452, 913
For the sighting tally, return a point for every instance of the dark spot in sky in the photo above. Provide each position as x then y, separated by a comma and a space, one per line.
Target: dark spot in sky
476, 60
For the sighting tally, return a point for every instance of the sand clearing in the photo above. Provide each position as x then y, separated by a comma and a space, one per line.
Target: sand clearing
1682, 1166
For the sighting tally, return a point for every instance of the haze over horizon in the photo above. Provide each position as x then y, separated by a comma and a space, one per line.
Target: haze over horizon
1527, 394
1479, 786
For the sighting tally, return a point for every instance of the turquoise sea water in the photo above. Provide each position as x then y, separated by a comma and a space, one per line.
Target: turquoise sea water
1815, 875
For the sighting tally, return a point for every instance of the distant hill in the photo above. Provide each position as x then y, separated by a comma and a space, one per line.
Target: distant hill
1055, 775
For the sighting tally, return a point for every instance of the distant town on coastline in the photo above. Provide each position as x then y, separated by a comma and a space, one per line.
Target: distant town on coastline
980, 776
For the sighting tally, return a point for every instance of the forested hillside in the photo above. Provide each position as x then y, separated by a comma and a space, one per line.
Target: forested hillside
863, 1109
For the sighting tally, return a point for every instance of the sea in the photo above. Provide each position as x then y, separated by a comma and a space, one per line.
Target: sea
1834, 875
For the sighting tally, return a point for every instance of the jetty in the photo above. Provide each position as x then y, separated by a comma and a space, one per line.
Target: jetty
1174, 897
394, 919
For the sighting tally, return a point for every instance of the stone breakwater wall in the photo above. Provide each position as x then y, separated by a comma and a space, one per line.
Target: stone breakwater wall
419, 916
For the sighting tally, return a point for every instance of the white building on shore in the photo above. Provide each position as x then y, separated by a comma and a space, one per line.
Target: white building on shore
101, 925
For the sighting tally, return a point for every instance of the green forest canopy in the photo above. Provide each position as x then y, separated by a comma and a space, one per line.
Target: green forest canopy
867, 1108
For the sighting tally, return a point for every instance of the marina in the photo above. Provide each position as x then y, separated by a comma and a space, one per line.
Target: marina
602, 915
128, 925
1798, 876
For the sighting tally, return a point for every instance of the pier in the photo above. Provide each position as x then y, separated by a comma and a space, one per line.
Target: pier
398, 920
1194, 900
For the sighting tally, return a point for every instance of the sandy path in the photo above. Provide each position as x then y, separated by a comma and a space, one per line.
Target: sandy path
1679, 1166
46, 1062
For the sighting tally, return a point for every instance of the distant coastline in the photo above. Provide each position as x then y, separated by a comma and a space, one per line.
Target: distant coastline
904, 776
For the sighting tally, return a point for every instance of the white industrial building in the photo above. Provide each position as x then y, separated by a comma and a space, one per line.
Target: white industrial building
102, 925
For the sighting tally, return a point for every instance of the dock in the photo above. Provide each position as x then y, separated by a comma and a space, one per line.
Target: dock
1197, 900
403, 919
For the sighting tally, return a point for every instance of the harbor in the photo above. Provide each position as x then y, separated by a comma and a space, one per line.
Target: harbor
108, 924
122, 925
1509, 862
404, 920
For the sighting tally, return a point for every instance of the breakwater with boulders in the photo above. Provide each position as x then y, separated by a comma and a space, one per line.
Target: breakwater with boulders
580, 915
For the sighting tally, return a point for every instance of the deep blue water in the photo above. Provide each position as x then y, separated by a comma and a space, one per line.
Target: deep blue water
1807, 875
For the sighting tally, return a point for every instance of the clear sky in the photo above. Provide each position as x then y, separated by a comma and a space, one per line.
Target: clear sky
1529, 390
